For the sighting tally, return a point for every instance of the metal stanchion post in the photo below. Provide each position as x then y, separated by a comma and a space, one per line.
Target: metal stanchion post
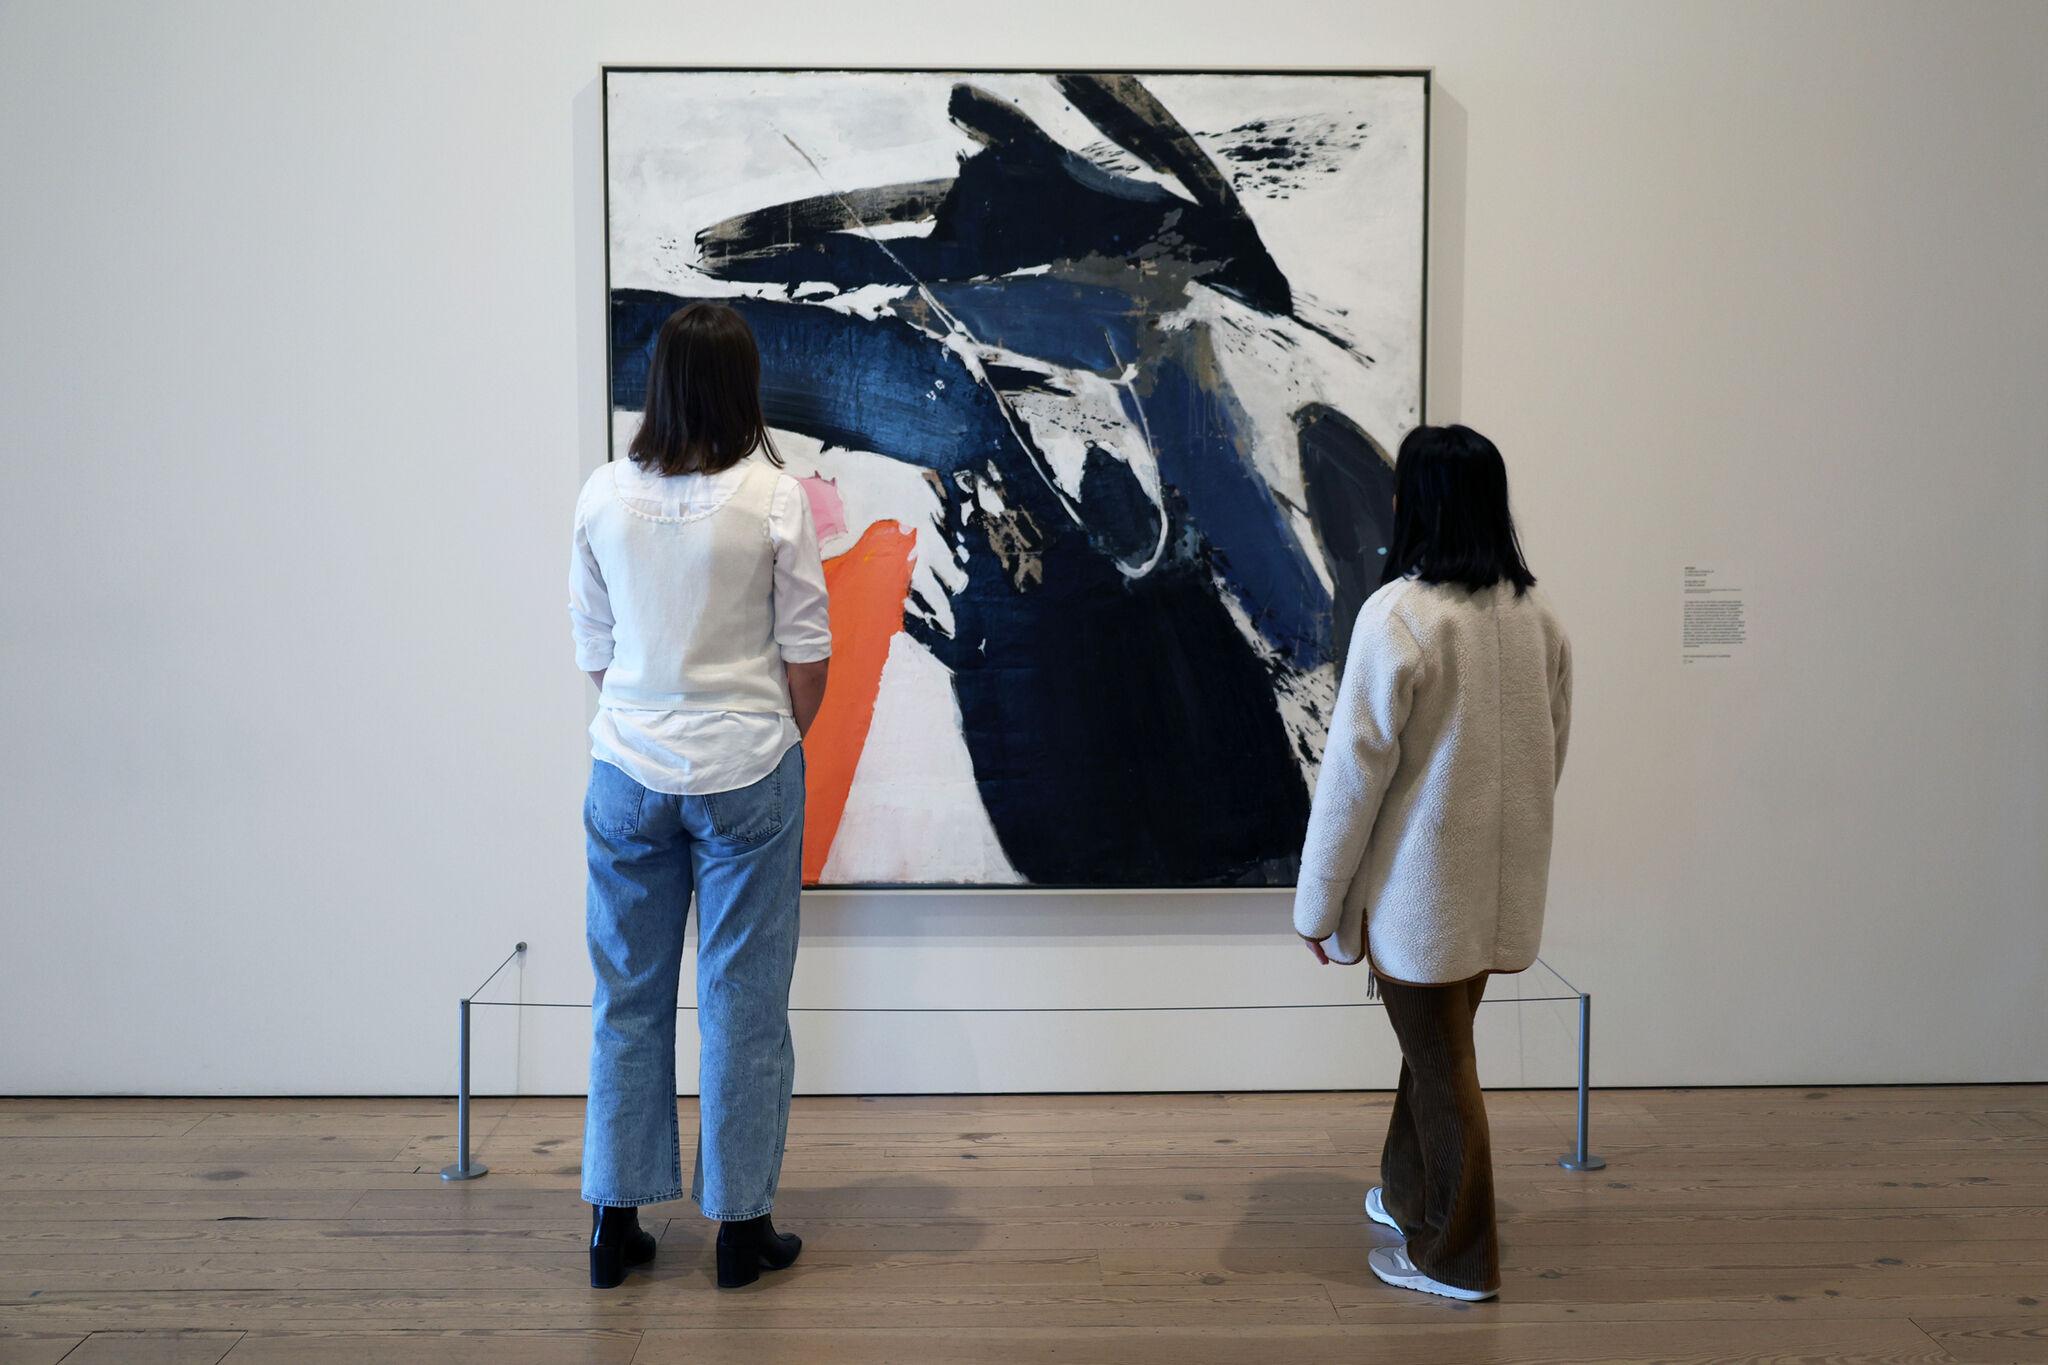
464, 1169
1583, 1159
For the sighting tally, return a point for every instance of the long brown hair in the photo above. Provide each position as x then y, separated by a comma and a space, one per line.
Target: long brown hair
703, 411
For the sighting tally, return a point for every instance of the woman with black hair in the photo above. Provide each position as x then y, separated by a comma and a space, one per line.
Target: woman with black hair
1428, 848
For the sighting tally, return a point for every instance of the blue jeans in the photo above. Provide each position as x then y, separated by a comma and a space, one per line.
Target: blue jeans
742, 852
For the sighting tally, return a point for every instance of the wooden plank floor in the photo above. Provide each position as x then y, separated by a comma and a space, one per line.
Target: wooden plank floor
1732, 1225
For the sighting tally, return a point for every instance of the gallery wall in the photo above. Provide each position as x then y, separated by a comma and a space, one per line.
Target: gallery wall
301, 365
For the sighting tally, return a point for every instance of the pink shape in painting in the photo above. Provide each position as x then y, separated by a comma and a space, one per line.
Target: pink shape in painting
828, 512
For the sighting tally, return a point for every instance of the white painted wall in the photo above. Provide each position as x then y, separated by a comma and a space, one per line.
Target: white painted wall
300, 366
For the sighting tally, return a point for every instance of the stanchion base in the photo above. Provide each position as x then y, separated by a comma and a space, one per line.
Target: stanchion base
1571, 1161
472, 1172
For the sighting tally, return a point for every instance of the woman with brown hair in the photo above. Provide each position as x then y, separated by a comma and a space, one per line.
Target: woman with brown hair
699, 610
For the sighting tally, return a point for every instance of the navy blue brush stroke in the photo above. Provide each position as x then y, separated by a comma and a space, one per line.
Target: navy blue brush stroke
1203, 453
883, 386
1122, 732
1083, 327
1135, 120
1349, 487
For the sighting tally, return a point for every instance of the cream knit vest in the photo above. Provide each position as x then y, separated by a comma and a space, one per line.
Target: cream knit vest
693, 602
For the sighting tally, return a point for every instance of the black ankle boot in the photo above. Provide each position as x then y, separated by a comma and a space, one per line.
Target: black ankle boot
750, 1246
616, 1241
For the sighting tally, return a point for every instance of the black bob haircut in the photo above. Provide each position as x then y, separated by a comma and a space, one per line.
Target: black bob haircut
1451, 518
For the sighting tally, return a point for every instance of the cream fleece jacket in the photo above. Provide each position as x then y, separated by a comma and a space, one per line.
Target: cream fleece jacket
1429, 842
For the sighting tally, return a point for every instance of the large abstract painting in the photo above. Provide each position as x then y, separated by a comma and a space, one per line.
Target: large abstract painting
1091, 379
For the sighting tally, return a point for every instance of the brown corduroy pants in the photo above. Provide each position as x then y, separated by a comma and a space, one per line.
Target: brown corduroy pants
1437, 1170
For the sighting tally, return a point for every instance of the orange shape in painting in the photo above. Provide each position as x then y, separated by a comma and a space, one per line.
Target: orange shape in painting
867, 585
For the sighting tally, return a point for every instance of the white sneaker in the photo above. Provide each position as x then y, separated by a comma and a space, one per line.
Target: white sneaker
1376, 1209
1392, 1265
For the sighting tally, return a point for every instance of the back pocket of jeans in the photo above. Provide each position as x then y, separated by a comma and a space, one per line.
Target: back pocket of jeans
612, 807
749, 815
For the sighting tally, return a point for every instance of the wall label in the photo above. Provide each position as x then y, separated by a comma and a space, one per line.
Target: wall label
1715, 615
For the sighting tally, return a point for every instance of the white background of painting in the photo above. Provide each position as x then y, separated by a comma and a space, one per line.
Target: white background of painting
302, 363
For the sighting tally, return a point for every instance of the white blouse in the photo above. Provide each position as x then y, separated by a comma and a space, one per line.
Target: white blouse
696, 753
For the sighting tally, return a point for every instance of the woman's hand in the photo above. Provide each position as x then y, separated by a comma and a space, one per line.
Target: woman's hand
807, 692
1315, 945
